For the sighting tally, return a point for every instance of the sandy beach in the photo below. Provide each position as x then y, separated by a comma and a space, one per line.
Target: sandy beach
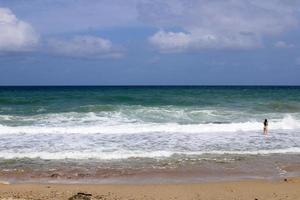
261, 177
285, 189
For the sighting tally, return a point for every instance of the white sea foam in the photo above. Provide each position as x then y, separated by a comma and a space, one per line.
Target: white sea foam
136, 154
118, 136
111, 127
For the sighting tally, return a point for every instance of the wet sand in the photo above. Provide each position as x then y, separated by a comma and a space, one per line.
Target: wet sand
255, 189
273, 177
233, 168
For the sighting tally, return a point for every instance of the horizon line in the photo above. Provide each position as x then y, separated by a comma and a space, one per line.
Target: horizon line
153, 85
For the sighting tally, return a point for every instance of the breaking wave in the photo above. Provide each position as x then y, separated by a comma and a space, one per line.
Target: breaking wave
113, 125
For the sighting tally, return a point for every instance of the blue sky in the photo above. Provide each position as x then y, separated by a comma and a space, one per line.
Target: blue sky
149, 42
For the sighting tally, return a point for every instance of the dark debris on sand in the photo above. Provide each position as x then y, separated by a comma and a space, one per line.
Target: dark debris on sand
81, 196
86, 196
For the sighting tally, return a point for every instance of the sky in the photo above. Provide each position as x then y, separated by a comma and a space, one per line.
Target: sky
149, 42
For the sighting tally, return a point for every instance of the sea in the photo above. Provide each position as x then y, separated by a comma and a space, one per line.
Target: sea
103, 131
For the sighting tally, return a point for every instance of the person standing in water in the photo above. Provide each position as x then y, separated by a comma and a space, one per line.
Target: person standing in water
266, 126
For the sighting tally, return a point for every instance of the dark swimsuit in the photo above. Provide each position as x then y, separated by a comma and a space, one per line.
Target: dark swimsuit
265, 125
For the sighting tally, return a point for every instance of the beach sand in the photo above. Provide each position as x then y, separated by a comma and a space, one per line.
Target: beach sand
284, 189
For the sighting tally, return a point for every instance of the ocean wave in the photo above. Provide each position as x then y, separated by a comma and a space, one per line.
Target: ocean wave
112, 114
115, 127
127, 113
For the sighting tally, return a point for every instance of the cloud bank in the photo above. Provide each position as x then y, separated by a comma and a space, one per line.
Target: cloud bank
15, 34
18, 36
85, 47
216, 24
182, 25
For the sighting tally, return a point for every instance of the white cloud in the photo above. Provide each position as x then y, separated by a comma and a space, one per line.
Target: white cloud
283, 44
15, 34
170, 41
237, 24
85, 47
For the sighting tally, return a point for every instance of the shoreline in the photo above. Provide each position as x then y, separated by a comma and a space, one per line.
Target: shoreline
189, 170
284, 189
246, 179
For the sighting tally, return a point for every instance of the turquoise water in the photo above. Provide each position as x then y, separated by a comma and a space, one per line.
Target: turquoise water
107, 123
